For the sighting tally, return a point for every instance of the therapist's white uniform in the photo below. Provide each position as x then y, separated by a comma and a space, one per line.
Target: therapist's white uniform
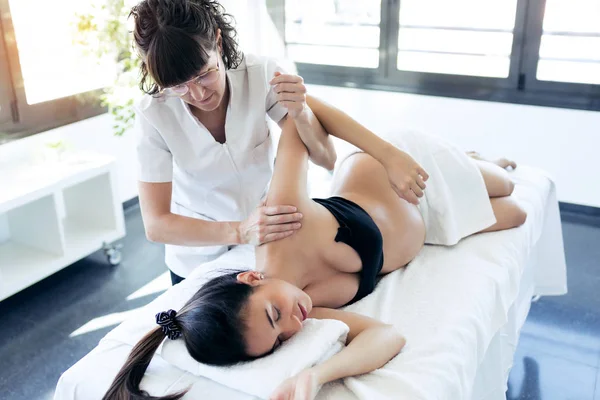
211, 181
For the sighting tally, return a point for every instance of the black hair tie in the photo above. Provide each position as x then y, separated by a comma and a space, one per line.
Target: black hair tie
166, 319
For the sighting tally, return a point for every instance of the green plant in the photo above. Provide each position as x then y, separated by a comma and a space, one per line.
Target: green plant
59, 145
104, 32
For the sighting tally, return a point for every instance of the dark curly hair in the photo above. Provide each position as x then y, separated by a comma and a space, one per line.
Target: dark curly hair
175, 36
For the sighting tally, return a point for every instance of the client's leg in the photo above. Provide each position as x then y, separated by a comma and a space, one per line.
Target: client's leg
501, 162
497, 181
509, 214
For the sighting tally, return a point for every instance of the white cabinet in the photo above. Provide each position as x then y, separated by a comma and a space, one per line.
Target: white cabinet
54, 214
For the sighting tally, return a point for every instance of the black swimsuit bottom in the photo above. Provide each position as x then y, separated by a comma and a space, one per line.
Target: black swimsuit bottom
359, 231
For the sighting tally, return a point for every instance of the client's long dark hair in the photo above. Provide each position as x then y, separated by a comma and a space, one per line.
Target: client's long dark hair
211, 326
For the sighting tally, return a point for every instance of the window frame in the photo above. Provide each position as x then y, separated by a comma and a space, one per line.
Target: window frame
363, 76
521, 86
428, 79
27, 119
535, 30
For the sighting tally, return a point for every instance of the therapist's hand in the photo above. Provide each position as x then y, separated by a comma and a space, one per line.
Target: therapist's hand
291, 93
269, 223
406, 176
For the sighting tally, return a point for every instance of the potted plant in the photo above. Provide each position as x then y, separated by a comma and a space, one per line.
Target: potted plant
106, 32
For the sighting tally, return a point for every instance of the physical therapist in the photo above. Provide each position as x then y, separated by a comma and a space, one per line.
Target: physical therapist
204, 149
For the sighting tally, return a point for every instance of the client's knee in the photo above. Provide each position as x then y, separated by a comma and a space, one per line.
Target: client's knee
519, 216
509, 187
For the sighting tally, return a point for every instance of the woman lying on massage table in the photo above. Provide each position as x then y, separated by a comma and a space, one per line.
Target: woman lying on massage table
346, 243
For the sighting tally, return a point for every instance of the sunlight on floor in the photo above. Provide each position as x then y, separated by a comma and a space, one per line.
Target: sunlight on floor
105, 321
160, 284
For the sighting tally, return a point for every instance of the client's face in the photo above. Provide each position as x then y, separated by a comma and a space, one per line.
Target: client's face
273, 314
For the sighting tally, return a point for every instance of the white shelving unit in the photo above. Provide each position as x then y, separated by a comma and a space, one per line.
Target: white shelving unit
54, 214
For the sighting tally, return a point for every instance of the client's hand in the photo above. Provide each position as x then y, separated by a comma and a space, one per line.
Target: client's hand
303, 386
406, 176
269, 223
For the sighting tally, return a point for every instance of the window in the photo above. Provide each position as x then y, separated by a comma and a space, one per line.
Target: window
465, 37
542, 52
47, 79
570, 43
344, 33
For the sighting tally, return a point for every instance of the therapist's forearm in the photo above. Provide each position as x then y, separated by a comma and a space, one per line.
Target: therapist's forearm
339, 124
316, 139
185, 231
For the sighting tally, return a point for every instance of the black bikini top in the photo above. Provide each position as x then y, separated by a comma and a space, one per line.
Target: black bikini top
359, 231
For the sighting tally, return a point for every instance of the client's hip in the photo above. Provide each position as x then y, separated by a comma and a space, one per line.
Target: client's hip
363, 180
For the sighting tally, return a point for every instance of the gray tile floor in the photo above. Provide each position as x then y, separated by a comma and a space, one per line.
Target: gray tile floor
558, 355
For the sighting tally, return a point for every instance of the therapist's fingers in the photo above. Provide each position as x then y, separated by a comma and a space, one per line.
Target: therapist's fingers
290, 88
282, 219
286, 78
423, 173
277, 210
281, 228
272, 237
286, 96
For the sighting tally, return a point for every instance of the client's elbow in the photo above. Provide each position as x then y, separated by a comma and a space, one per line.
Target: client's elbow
332, 159
329, 159
397, 340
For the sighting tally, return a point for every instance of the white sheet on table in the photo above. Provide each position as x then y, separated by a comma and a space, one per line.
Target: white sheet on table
449, 303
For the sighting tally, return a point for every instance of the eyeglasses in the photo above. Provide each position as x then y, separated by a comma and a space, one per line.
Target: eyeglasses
207, 78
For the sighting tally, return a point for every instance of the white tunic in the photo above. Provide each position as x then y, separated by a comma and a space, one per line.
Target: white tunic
211, 181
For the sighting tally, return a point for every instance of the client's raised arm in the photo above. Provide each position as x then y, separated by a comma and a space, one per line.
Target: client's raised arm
289, 182
406, 176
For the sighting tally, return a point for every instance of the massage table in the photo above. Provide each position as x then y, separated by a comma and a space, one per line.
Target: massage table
460, 308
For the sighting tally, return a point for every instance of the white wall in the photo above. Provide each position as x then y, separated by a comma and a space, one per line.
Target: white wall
566, 143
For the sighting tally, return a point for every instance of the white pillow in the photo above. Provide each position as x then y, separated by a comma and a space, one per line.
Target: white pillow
315, 343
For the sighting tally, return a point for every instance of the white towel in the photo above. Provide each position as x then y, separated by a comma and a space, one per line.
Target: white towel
318, 341
456, 203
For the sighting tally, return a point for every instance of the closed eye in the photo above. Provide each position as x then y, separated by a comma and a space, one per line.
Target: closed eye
278, 314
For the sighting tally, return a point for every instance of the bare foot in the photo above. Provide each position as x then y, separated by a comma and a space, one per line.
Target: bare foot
501, 162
